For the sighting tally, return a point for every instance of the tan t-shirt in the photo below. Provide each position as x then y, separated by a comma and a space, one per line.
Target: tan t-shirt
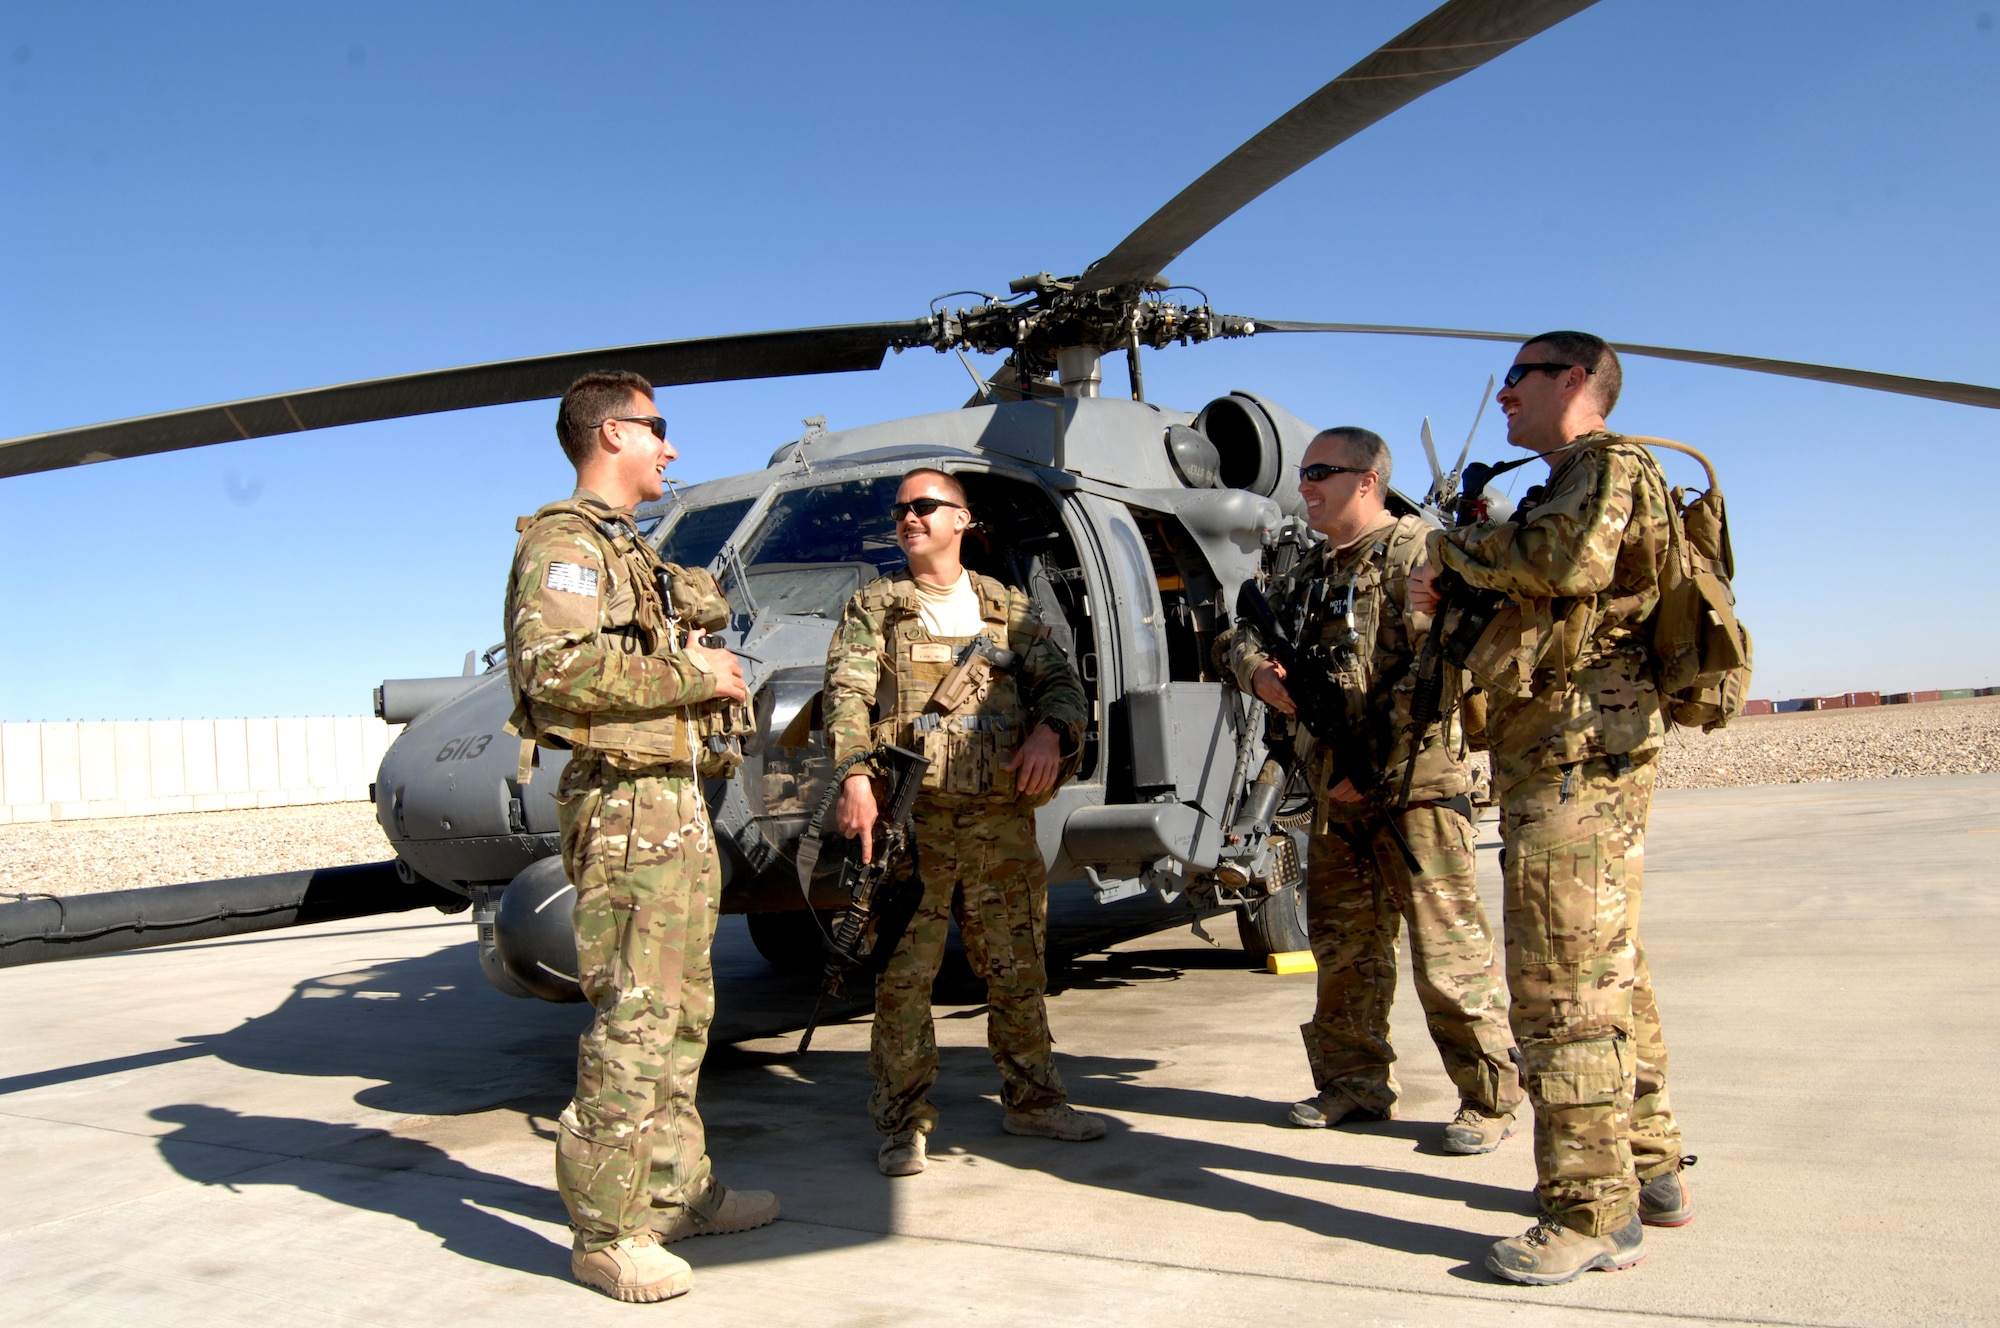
951, 610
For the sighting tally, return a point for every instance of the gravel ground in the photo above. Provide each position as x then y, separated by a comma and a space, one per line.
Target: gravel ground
76, 857
1821, 746
124, 853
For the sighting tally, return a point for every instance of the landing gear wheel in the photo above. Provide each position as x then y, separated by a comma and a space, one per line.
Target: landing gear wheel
1275, 926
790, 942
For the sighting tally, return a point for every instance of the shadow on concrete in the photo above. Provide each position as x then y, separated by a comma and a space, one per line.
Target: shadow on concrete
359, 1168
800, 1126
438, 1040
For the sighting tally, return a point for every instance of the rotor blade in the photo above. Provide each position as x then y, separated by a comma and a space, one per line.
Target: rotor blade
1964, 394
1431, 453
1454, 39
812, 350
1473, 432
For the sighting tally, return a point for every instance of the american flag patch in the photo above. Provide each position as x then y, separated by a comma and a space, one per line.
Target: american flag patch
572, 579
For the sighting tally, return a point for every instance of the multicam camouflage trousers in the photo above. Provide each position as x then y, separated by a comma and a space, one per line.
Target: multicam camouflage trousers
1593, 1057
1356, 904
979, 863
640, 851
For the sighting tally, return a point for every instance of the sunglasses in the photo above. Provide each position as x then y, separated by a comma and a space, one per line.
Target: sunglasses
1515, 373
923, 507
1321, 473
653, 422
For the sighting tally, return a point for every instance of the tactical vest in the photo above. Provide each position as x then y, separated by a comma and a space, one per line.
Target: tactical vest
970, 744
635, 618
1348, 614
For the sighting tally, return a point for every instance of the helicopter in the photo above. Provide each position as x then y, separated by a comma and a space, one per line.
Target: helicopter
1131, 525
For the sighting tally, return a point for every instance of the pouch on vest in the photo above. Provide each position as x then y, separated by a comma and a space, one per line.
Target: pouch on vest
693, 597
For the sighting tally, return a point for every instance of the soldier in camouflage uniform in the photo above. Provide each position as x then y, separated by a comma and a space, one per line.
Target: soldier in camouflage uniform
601, 661
1359, 887
1575, 725
995, 756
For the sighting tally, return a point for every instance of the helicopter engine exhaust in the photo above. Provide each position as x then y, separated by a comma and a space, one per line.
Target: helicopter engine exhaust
400, 700
42, 928
1259, 444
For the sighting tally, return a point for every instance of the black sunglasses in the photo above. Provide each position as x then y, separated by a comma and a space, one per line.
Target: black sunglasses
921, 506
653, 422
1321, 473
1516, 372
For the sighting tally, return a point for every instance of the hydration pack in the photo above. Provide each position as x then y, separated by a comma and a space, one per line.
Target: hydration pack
1701, 647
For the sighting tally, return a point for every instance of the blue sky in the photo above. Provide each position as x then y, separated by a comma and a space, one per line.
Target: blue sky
210, 200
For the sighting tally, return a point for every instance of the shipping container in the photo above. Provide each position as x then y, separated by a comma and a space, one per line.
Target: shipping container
1787, 707
1756, 707
1954, 693
1925, 696
1896, 698
1855, 700
1832, 703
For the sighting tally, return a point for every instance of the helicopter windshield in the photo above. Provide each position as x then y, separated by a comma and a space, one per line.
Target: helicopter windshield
697, 537
817, 546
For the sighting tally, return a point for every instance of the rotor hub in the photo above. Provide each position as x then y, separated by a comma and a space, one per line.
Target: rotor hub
1049, 315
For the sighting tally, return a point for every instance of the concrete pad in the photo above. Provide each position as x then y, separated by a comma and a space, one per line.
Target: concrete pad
343, 1124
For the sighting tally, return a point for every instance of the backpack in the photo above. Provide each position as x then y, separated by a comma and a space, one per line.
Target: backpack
1702, 648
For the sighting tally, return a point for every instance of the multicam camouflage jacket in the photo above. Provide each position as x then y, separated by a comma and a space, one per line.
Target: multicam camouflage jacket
1582, 563
883, 669
1373, 673
595, 655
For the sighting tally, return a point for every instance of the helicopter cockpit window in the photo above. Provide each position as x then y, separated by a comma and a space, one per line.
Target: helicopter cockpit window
697, 537
817, 546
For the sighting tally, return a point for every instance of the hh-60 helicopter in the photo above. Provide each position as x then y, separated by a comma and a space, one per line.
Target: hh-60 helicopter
1131, 524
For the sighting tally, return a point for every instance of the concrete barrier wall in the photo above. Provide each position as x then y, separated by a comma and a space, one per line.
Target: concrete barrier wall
70, 771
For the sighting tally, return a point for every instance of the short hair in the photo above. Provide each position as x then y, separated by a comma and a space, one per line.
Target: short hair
1362, 449
589, 402
948, 482
1607, 376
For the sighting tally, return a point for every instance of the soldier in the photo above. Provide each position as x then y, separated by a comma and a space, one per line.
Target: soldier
1573, 744
602, 660
994, 758
1359, 886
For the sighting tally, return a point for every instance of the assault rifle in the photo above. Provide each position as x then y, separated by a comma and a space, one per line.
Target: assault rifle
878, 908
1462, 616
1322, 706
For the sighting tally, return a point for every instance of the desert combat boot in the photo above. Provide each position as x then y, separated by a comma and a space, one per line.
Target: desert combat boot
1330, 1108
1473, 1131
1665, 1201
902, 1154
633, 1269
718, 1213
1549, 1253
1062, 1121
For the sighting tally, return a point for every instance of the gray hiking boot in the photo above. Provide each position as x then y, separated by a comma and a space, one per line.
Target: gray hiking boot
634, 1269
1549, 1253
1473, 1131
1664, 1201
723, 1211
1331, 1108
902, 1154
1061, 1121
